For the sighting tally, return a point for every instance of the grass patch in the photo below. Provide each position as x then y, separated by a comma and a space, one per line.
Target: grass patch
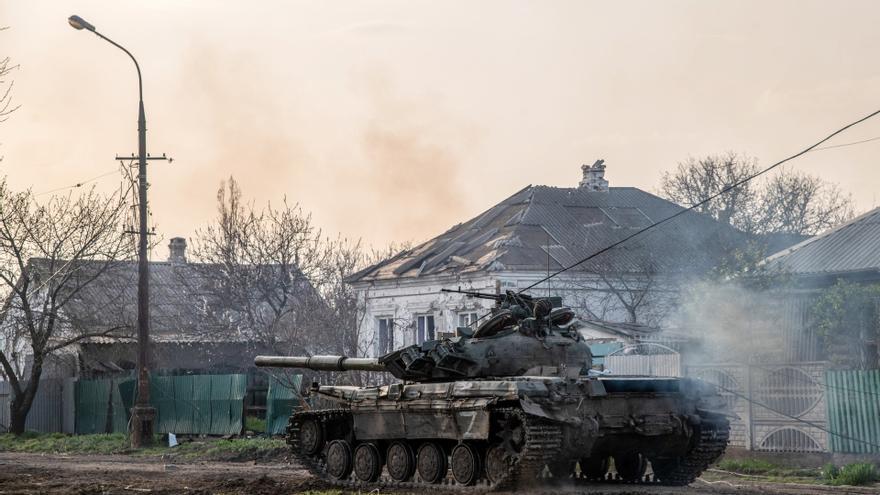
747, 466
770, 471
254, 424
860, 473
237, 449
851, 474
59, 443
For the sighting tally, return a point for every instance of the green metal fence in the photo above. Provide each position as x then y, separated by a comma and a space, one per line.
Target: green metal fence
191, 404
281, 398
853, 401
199, 404
92, 406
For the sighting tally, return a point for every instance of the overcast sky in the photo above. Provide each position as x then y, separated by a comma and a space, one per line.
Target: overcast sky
394, 120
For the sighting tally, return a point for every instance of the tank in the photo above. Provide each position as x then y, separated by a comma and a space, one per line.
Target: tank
513, 402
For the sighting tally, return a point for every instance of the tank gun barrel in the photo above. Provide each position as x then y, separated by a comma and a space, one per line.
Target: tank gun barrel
320, 363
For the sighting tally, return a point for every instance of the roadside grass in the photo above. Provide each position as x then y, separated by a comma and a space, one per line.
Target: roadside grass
236, 449
860, 473
850, 474
59, 443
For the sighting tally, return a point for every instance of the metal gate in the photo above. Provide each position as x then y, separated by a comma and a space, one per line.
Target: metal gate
644, 360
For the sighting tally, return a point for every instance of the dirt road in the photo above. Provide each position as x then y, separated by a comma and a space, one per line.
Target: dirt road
110, 475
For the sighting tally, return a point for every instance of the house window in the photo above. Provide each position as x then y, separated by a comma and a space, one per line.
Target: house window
424, 328
386, 335
466, 319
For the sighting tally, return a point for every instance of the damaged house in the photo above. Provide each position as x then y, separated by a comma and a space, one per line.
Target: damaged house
194, 326
536, 231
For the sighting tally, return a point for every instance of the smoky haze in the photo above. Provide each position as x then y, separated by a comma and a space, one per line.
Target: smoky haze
393, 121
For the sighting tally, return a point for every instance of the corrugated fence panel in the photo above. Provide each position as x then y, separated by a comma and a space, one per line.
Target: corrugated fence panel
280, 401
220, 387
92, 406
238, 391
124, 390
201, 401
853, 400
5, 399
227, 403
46, 413
162, 397
194, 404
68, 406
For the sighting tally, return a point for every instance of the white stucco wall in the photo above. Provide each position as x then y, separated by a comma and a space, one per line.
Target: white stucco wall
406, 299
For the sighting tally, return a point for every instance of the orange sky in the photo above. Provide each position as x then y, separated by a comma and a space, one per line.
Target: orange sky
393, 120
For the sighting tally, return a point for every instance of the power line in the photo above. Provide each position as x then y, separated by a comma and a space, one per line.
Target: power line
847, 144
701, 203
78, 184
810, 381
789, 416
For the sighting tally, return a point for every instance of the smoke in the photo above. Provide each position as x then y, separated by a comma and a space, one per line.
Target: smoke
413, 162
229, 103
732, 322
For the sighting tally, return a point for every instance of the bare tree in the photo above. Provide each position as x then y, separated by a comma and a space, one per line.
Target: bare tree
6, 106
640, 296
797, 203
258, 264
632, 292
50, 254
694, 180
790, 202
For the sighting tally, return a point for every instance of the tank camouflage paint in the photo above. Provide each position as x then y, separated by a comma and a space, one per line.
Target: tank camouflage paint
512, 402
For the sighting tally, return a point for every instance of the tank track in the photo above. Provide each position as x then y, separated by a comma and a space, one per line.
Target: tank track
543, 440
714, 434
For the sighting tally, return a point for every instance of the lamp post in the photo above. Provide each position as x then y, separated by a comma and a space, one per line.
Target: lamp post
142, 414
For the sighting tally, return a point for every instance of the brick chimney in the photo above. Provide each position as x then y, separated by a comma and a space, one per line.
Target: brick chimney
177, 250
594, 177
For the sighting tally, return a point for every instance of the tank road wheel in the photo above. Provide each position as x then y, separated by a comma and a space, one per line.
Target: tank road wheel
339, 459
401, 462
497, 464
630, 466
431, 463
367, 462
465, 464
594, 468
311, 437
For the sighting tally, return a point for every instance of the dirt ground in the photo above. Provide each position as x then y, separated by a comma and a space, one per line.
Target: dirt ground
56, 474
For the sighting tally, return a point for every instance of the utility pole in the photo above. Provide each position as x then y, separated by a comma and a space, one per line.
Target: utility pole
142, 414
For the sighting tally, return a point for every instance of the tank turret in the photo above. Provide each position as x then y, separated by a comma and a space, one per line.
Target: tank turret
523, 336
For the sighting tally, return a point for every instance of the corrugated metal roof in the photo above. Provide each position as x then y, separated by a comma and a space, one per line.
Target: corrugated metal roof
570, 224
184, 303
853, 246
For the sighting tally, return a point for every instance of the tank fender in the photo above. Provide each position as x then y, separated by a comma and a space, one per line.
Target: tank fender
536, 409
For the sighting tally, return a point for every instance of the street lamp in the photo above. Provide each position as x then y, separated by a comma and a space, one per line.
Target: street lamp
142, 414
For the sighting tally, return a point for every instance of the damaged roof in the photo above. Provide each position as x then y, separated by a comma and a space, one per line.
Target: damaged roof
851, 247
542, 225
